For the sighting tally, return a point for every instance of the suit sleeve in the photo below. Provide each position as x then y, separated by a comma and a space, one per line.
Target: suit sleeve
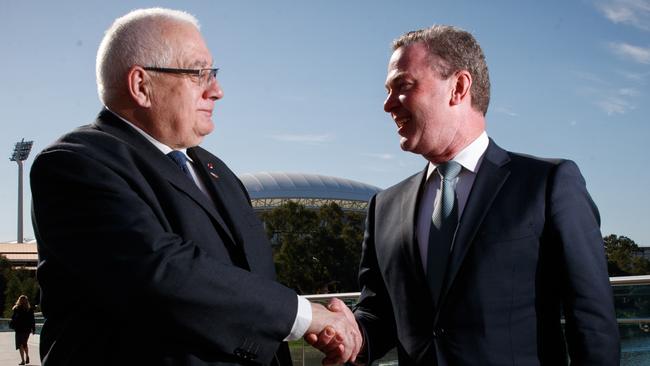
591, 327
94, 227
374, 312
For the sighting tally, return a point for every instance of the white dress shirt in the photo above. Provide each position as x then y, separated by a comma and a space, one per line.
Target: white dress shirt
303, 316
470, 159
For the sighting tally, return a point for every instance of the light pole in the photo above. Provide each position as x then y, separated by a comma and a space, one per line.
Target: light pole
21, 152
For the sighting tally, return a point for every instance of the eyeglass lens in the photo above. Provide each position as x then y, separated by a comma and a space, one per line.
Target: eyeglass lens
208, 75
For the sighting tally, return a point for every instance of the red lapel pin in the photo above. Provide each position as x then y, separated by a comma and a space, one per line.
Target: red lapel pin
211, 167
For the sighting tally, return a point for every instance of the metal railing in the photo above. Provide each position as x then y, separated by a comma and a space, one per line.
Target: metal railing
630, 280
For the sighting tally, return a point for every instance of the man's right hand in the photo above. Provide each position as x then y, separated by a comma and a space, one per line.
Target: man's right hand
334, 331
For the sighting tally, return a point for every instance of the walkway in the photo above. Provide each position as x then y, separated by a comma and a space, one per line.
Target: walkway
9, 355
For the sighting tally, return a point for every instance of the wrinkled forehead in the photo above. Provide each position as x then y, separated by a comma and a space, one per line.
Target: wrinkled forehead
189, 47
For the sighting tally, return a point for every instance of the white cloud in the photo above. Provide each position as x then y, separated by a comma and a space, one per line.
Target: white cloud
615, 105
506, 111
628, 92
306, 138
635, 53
634, 76
588, 76
380, 156
630, 12
612, 101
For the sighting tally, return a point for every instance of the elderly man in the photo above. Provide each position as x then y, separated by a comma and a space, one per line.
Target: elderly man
150, 252
473, 260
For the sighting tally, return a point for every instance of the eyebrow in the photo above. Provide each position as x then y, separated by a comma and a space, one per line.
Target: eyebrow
200, 65
396, 78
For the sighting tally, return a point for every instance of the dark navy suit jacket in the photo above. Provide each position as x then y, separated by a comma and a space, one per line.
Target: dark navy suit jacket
528, 248
138, 266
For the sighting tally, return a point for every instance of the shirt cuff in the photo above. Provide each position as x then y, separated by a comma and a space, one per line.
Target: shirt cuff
303, 320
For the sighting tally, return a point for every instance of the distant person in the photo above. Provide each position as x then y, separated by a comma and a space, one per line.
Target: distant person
474, 260
22, 321
152, 233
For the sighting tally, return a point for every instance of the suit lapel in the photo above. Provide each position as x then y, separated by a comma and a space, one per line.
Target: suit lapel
412, 193
110, 123
177, 178
490, 178
209, 172
231, 205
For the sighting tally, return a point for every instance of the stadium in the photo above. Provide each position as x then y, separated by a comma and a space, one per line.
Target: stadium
270, 190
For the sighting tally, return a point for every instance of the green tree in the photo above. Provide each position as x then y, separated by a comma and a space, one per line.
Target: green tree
344, 233
18, 282
315, 251
624, 257
289, 228
5, 268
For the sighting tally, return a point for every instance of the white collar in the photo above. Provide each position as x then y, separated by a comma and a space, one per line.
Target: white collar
470, 156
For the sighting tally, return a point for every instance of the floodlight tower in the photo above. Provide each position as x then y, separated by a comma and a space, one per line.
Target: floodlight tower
21, 152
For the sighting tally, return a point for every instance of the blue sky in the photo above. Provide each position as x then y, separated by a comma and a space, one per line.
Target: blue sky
303, 84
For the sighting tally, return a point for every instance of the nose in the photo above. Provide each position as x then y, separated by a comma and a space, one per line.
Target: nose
391, 102
213, 91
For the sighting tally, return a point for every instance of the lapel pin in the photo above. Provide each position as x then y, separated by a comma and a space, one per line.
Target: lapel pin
211, 167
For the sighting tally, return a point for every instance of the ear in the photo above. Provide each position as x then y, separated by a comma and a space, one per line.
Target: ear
139, 84
462, 82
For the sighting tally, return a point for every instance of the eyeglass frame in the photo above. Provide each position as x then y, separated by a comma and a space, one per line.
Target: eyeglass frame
193, 72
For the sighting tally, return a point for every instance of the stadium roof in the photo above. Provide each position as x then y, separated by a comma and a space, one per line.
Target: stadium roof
300, 185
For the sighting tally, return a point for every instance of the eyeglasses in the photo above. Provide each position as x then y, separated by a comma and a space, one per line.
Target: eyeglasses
205, 76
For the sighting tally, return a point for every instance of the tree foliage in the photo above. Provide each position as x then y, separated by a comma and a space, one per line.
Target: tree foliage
13, 283
5, 267
315, 251
624, 257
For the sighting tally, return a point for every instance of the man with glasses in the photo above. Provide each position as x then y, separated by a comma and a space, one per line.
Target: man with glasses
149, 250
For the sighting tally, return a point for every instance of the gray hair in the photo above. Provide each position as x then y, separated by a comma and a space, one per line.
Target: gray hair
135, 39
452, 49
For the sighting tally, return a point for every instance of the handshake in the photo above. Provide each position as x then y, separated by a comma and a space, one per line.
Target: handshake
334, 331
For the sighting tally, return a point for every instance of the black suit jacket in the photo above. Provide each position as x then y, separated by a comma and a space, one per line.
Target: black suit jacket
138, 266
528, 247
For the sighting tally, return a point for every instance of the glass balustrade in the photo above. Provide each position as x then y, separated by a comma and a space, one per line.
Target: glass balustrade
631, 298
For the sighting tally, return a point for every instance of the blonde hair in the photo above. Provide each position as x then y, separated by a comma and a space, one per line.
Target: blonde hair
22, 302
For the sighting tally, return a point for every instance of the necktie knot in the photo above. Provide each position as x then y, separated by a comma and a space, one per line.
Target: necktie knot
178, 157
449, 170
181, 160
